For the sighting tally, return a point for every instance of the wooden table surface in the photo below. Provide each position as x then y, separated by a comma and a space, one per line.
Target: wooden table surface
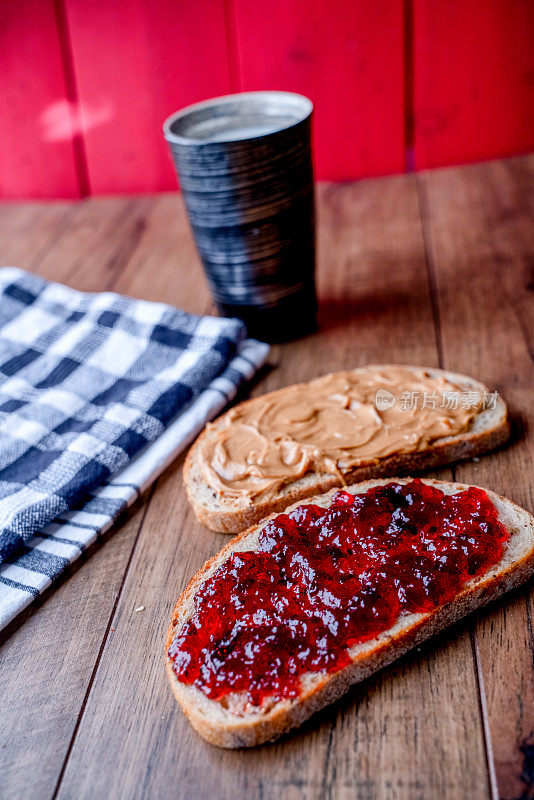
434, 269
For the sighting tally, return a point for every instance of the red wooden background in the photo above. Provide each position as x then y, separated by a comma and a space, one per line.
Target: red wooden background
86, 84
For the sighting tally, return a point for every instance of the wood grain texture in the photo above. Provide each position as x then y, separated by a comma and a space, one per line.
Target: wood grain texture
97, 243
46, 666
46, 221
47, 663
48, 657
482, 251
399, 735
348, 58
414, 731
473, 80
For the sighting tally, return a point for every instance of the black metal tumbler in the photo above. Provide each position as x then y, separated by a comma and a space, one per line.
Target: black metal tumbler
245, 169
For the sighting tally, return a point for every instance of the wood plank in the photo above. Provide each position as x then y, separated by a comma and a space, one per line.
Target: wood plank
348, 58
473, 87
514, 246
135, 64
166, 267
46, 666
481, 250
98, 243
46, 221
138, 246
89, 250
104, 245
37, 157
400, 735
49, 653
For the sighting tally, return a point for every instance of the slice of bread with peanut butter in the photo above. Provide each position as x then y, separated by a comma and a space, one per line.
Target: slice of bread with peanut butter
370, 422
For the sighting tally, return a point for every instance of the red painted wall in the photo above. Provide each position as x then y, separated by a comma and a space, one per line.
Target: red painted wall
86, 84
137, 61
473, 79
348, 58
37, 154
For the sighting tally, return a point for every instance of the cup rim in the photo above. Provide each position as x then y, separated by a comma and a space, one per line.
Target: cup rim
175, 138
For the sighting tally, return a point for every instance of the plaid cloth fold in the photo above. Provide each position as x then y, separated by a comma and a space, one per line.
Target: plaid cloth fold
98, 393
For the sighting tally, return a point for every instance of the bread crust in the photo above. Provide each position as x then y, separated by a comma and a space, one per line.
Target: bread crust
231, 517
223, 728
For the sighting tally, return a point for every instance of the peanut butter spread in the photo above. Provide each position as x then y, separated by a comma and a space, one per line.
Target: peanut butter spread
330, 425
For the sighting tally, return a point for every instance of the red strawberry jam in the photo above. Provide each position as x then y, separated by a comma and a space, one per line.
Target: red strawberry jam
324, 579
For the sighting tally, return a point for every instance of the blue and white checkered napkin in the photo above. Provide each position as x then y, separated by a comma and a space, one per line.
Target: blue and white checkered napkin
98, 393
